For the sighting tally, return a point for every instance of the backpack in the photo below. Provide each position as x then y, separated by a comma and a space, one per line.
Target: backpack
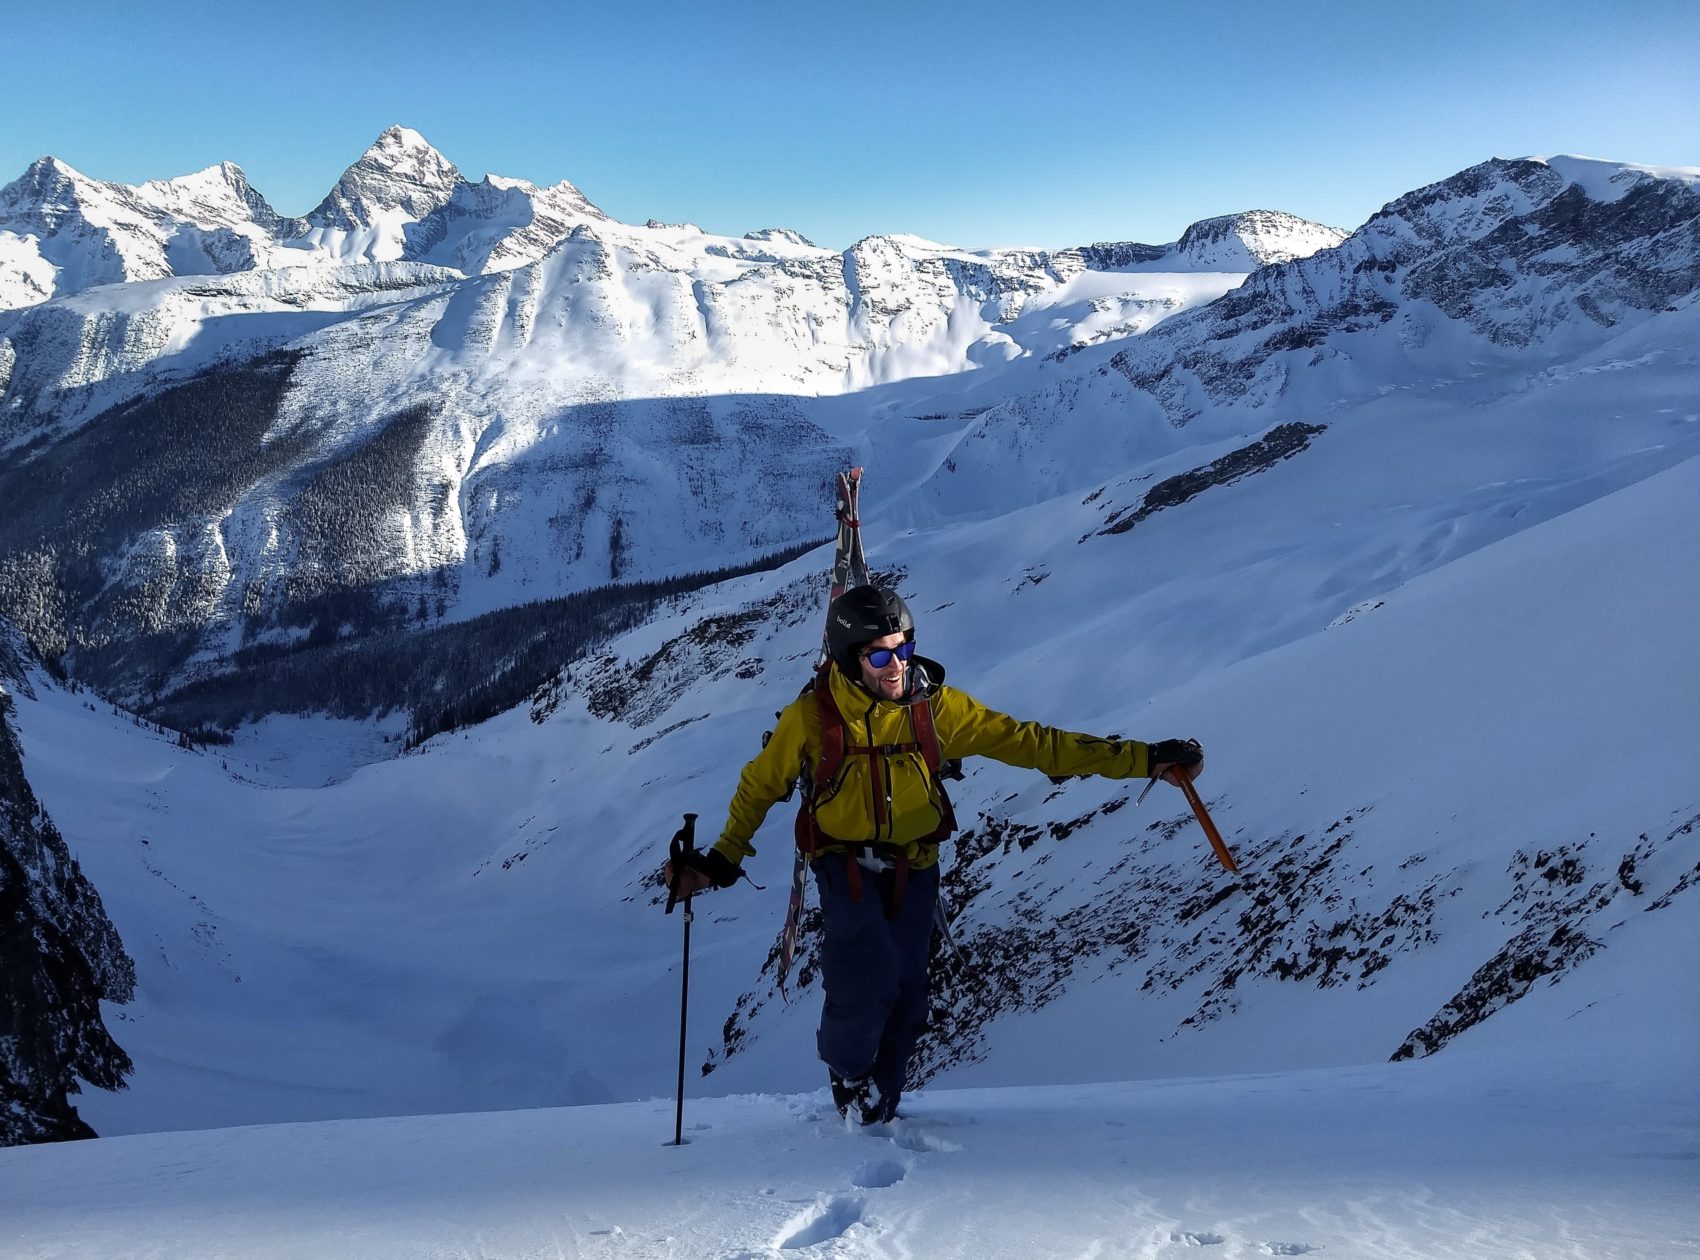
835, 747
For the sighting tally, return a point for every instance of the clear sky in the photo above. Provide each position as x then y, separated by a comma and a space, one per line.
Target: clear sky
980, 124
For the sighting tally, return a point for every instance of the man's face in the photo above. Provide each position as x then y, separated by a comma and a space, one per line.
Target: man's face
887, 683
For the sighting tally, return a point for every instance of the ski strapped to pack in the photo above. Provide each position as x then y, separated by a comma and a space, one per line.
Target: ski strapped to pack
849, 568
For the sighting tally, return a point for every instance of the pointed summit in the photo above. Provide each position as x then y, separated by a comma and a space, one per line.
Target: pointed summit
1253, 239
47, 184
218, 196
401, 175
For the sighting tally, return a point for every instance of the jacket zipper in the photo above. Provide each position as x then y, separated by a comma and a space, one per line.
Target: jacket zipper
879, 775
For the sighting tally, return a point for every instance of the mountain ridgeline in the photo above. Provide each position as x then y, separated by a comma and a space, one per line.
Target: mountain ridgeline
428, 401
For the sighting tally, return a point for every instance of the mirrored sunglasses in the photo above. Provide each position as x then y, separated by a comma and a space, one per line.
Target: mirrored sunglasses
879, 658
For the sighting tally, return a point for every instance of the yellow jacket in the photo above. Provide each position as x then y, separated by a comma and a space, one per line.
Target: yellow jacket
965, 728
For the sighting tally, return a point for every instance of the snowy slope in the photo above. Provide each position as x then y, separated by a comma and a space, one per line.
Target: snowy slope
1353, 632
1584, 1153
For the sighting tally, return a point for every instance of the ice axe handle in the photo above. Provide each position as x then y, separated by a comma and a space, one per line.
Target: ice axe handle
684, 841
1193, 799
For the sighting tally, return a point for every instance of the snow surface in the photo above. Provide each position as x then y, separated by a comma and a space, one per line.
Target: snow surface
1589, 1152
1609, 181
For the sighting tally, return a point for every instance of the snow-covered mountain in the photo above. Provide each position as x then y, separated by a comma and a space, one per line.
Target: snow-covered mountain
551, 364
1257, 238
400, 177
606, 402
62, 233
889, 307
1398, 529
1513, 266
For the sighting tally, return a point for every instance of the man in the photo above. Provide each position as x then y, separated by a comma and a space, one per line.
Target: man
873, 821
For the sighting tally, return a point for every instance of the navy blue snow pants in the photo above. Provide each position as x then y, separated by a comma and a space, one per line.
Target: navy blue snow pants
874, 971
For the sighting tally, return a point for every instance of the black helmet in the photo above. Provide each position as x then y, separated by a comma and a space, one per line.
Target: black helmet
861, 615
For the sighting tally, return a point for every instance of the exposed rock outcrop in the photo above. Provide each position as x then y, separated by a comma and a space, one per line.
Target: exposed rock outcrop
60, 957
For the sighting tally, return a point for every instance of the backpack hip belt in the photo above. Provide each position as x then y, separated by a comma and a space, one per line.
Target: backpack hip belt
880, 859
869, 858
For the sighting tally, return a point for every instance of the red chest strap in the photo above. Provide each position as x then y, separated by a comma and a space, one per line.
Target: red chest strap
835, 746
834, 734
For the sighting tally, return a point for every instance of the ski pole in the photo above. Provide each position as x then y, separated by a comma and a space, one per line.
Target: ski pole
1203, 814
683, 842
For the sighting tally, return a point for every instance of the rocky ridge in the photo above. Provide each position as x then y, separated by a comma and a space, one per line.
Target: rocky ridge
1527, 255
60, 956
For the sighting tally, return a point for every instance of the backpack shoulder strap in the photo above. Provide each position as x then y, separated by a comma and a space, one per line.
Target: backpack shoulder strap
811, 781
926, 735
921, 718
832, 729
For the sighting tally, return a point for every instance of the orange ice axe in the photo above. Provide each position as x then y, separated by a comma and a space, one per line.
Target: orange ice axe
1193, 799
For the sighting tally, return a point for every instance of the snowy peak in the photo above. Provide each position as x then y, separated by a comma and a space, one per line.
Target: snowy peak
49, 192
1611, 181
1533, 259
46, 191
61, 231
785, 235
219, 196
1256, 238
401, 175
498, 224
1529, 208
1472, 203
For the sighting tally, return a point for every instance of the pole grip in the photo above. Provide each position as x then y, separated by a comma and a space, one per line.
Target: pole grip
1197, 803
684, 841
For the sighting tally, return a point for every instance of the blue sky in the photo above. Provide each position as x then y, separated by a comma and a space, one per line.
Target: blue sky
986, 124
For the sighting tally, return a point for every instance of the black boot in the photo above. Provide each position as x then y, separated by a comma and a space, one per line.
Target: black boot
858, 1099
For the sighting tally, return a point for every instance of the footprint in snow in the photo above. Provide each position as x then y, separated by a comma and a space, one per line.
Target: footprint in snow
1190, 1239
1286, 1249
880, 1174
919, 1142
828, 1218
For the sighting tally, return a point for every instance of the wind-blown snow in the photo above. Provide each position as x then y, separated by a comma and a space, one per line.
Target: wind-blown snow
1609, 181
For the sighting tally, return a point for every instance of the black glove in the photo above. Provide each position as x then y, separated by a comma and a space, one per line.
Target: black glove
714, 864
1185, 753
